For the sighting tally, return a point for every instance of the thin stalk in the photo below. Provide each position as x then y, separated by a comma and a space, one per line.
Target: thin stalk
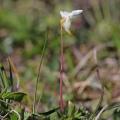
102, 94
38, 76
99, 78
101, 111
18, 115
61, 72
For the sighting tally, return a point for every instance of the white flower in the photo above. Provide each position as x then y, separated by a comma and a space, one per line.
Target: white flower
67, 17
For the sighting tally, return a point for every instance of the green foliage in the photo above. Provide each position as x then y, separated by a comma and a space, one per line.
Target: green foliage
116, 114
17, 25
49, 112
70, 113
16, 96
8, 96
13, 116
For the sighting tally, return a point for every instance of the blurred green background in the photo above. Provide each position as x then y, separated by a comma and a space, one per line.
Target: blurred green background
23, 28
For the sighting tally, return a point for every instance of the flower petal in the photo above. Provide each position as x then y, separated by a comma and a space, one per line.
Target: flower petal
75, 13
64, 14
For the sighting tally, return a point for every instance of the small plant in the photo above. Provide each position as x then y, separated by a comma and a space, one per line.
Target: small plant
8, 93
70, 113
66, 24
73, 113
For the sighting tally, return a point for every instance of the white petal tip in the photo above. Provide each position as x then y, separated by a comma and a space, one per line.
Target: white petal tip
79, 11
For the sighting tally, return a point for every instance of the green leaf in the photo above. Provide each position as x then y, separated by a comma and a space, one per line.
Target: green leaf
34, 117
116, 114
54, 116
26, 116
49, 112
13, 116
3, 76
16, 96
10, 75
71, 109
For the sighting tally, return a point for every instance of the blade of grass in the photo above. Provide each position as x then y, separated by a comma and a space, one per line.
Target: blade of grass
15, 71
39, 71
3, 84
4, 77
11, 76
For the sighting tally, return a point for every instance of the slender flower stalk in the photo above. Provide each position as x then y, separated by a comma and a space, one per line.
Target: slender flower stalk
66, 24
61, 71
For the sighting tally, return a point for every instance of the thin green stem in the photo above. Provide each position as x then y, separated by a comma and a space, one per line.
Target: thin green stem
38, 76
